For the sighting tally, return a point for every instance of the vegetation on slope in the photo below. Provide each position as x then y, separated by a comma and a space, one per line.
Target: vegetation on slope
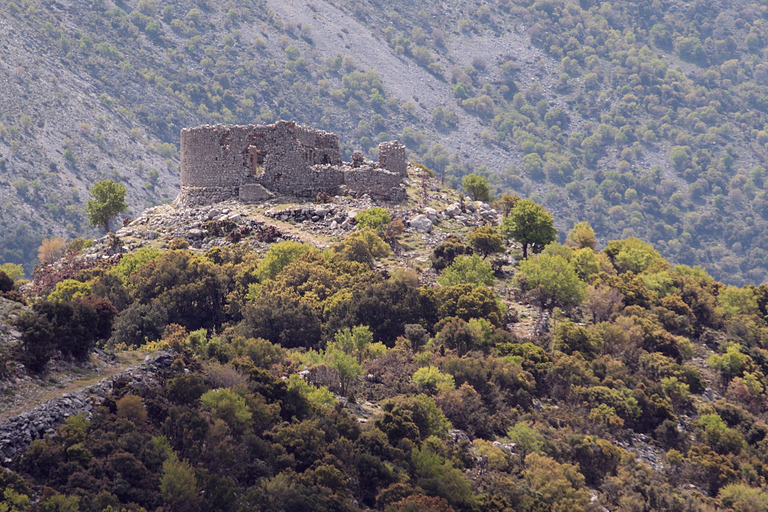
646, 391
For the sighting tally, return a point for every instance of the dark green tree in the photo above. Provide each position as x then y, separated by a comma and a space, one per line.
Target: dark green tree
444, 254
486, 240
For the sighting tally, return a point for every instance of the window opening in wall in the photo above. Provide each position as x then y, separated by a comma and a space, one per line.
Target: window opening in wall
257, 160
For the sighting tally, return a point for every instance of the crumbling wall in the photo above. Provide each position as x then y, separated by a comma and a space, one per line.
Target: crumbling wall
225, 162
392, 158
367, 179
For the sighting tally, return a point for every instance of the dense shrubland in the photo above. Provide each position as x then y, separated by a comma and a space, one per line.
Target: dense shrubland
619, 343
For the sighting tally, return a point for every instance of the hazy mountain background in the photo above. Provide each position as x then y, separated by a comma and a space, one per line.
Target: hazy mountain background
645, 118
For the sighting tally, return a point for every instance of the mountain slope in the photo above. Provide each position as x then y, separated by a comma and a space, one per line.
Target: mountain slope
644, 118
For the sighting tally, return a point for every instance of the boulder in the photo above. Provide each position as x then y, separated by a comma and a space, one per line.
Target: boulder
453, 210
195, 234
431, 213
422, 223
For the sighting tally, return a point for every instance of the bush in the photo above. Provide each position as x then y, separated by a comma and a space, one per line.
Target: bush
375, 218
444, 254
6, 283
71, 327
471, 270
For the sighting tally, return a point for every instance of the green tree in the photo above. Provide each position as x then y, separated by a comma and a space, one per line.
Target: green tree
467, 269
529, 224
527, 439
354, 341
229, 406
477, 186
12, 270
551, 281
582, 235
178, 486
278, 257
346, 366
485, 240
432, 381
107, 200
633, 254
363, 246
556, 487
742, 498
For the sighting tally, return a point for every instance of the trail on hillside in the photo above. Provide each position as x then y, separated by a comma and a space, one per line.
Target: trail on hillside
34, 392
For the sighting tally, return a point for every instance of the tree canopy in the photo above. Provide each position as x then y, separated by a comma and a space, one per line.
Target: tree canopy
551, 281
477, 187
530, 224
107, 199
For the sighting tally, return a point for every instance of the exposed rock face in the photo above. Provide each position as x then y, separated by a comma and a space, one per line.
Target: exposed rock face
249, 162
18, 432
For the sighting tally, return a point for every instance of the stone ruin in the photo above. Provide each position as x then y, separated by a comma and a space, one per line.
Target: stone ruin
250, 163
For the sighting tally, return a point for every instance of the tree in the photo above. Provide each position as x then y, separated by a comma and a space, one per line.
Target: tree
51, 249
6, 283
555, 486
178, 485
507, 202
229, 406
12, 270
467, 269
278, 257
363, 246
477, 186
485, 240
444, 254
354, 341
107, 200
633, 254
551, 281
582, 235
346, 366
527, 439
529, 224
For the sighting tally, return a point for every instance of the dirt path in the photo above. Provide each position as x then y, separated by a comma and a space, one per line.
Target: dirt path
35, 392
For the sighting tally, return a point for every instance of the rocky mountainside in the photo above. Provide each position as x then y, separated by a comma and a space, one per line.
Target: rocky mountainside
644, 118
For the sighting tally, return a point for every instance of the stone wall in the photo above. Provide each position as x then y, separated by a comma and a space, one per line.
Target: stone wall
18, 432
392, 158
235, 162
367, 179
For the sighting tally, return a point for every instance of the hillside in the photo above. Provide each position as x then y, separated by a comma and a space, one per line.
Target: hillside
644, 118
354, 355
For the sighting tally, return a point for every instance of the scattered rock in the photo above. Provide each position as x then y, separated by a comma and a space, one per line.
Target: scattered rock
195, 234
453, 210
422, 223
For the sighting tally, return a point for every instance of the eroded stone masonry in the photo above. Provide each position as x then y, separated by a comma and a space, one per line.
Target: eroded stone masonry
251, 162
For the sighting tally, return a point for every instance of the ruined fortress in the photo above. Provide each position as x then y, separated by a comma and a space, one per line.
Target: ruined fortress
250, 163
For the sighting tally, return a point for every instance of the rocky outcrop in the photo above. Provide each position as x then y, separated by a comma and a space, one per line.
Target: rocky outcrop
18, 432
